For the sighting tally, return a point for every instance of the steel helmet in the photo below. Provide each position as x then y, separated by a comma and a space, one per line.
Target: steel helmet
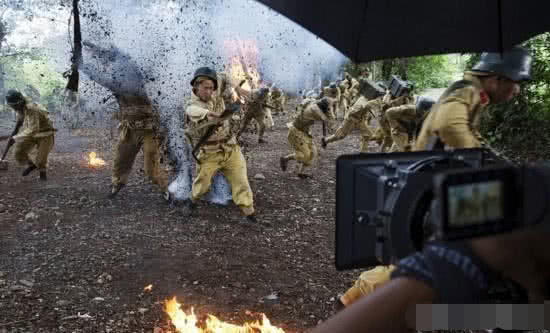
207, 72
513, 64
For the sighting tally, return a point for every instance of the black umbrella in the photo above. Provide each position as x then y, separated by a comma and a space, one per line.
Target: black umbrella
379, 29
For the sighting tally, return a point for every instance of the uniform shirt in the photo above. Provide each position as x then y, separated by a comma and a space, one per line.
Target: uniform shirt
363, 109
36, 123
455, 117
197, 111
134, 107
332, 92
306, 118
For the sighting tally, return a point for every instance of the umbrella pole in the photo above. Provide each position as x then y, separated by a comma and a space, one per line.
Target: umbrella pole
500, 32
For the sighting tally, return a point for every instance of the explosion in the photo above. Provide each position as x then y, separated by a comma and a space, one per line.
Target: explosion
93, 161
243, 58
188, 322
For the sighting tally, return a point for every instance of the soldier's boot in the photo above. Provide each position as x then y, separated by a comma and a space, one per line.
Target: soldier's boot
28, 170
284, 163
302, 174
324, 143
43, 176
114, 190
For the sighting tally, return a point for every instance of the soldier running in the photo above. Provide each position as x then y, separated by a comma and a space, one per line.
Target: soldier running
300, 138
38, 131
139, 128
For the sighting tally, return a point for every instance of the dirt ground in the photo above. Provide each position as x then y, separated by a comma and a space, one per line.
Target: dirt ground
72, 260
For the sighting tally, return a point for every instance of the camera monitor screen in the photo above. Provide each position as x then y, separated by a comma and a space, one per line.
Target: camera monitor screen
475, 203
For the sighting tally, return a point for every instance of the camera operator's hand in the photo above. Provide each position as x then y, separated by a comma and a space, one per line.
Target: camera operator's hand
522, 256
457, 272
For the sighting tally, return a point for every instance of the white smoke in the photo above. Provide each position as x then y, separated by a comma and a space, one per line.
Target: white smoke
168, 40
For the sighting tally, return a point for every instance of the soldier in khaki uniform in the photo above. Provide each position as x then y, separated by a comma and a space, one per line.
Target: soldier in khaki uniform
384, 136
221, 151
300, 138
139, 128
453, 121
38, 132
255, 109
404, 120
343, 86
333, 92
354, 86
277, 100
359, 116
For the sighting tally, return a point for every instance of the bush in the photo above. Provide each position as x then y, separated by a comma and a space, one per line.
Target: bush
520, 128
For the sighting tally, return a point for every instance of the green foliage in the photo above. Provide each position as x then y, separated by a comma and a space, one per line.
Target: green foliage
35, 72
520, 128
431, 71
426, 72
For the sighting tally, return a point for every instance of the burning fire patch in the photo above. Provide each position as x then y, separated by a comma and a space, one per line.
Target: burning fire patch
185, 323
94, 161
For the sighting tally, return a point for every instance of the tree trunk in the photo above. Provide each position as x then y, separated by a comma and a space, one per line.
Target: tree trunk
403, 65
387, 66
71, 107
2, 85
72, 84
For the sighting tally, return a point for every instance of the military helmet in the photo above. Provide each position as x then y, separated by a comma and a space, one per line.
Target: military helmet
323, 104
332, 85
263, 91
424, 104
207, 72
14, 97
513, 64
382, 84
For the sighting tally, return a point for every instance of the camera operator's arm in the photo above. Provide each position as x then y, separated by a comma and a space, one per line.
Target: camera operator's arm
390, 308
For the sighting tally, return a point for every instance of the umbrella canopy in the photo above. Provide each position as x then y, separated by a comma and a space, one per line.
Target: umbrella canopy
378, 29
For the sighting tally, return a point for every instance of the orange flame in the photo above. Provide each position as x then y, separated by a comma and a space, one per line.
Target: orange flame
94, 161
188, 322
241, 53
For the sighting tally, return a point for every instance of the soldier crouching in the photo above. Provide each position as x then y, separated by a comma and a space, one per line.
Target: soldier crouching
38, 132
220, 150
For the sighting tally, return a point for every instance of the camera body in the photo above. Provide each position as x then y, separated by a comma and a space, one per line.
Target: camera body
389, 205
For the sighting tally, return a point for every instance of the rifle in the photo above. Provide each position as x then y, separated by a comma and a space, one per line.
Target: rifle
268, 106
7, 149
324, 128
212, 128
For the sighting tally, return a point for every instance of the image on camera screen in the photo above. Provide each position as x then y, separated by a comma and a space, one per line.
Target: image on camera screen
474, 204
